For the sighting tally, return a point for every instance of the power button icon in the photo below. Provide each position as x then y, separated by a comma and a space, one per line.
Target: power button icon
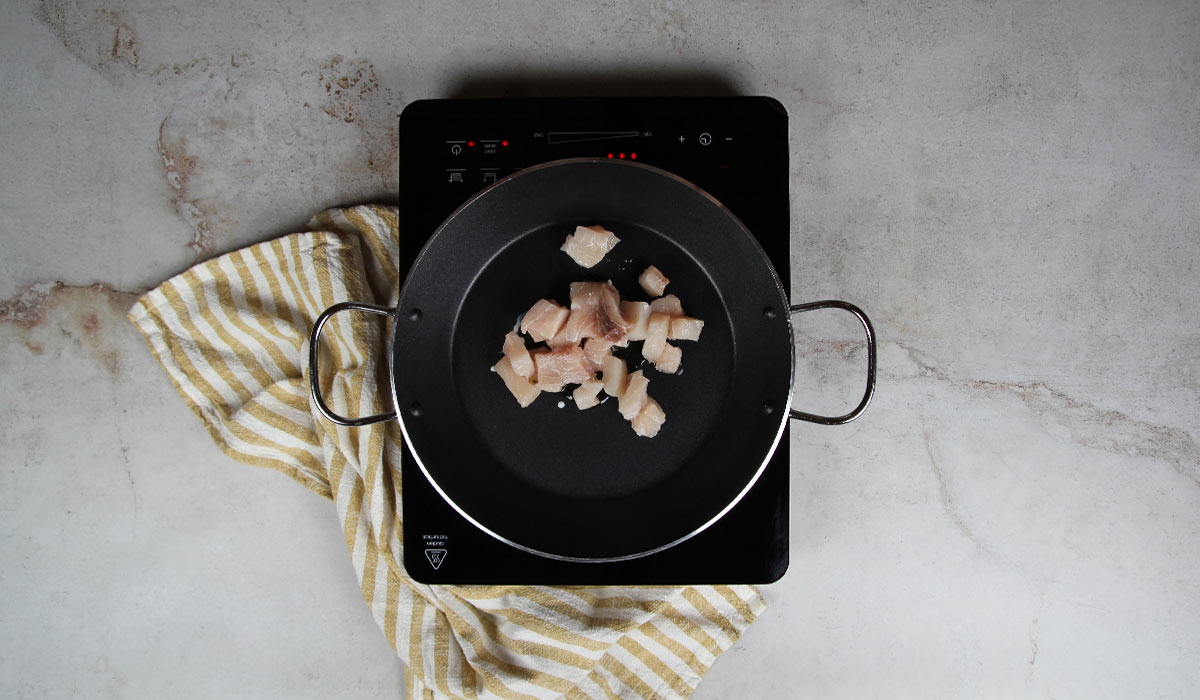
705, 139
455, 149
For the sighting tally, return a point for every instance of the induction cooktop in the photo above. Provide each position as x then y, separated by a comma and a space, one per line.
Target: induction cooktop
734, 148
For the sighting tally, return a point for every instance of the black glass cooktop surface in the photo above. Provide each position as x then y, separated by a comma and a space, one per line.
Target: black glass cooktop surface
736, 149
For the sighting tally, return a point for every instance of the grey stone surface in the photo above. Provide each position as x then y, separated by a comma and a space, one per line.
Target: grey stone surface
1009, 189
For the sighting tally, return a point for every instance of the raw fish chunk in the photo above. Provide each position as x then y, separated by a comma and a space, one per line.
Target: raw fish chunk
548, 377
586, 395
656, 336
653, 281
595, 350
669, 360
518, 355
589, 244
685, 328
572, 364
522, 389
667, 305
595, 313
561, 339
573, 346
634, 397
649, 420
543, 320
561, 366
636, 315
615, 374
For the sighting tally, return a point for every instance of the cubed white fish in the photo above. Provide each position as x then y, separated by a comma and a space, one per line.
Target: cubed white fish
656, 336
653, 281
669, 359
595, 313
649, 420
669, 305
561, 366
586, 395
518, 354
543, 320
523, 390
636, 315
634, 396
589, 244
594, 351
615, 375
685, 328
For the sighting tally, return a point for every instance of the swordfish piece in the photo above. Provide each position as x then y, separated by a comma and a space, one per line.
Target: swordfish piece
543, 320
589, 244
595, 313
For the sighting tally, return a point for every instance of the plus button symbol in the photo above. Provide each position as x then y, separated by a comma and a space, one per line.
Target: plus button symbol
681, 138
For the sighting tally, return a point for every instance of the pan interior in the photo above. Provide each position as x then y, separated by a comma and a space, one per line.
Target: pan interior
551, 444
582, 484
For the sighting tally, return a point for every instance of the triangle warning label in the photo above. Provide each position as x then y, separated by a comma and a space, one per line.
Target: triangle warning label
435, 557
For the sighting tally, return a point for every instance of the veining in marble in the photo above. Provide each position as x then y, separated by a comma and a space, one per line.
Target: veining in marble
1008, 189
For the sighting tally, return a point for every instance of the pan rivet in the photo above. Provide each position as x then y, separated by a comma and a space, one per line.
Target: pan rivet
414, 315
768, 408
416, 409
769, 311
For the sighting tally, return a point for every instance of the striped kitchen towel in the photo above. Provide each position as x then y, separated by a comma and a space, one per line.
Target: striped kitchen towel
232, 334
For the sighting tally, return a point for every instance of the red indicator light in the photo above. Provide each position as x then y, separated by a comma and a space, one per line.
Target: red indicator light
610, 155
504, 143
633, 156
470, 143
621, 155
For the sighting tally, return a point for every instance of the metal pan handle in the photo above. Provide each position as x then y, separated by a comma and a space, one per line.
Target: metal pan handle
870, 330
313, 352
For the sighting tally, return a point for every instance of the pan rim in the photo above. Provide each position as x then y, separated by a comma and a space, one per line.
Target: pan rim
769, 453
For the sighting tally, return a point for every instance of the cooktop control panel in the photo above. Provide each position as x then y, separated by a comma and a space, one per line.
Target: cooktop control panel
734, 148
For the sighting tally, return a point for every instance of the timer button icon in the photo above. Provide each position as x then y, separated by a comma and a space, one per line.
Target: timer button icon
705, 139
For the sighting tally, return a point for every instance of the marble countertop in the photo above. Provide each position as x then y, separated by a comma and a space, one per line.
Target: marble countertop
1009, 189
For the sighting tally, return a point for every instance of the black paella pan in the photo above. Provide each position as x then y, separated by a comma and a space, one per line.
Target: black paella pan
581, 485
